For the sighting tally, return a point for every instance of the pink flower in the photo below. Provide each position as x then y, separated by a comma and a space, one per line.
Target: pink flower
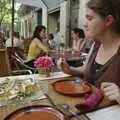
44, 62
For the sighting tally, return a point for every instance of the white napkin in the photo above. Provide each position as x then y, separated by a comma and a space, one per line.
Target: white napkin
54, 75
38, 96
109, 113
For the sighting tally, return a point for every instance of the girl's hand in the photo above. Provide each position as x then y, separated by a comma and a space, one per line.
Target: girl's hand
62, 64
111, 91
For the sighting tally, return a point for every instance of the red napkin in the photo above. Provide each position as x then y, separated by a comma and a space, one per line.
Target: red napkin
91, 101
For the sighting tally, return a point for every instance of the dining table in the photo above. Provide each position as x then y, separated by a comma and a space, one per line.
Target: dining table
73, 58
52, 98
68, 54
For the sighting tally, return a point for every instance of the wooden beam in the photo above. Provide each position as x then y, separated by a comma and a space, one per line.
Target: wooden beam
12, 31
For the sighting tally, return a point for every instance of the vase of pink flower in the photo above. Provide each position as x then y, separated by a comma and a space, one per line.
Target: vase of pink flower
44, 66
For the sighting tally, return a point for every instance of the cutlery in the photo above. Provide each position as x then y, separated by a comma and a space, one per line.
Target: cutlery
78, 81
69, 109
50, 99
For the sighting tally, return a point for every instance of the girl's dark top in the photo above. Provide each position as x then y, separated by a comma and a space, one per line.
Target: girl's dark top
96, 67
109, 72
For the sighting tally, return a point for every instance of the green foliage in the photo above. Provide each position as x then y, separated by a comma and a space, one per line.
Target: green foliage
5, 11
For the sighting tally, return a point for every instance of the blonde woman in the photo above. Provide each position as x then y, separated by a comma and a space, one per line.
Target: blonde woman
37, 47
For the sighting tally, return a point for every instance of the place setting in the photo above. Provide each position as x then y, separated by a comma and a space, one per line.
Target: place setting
72, 88
78, 88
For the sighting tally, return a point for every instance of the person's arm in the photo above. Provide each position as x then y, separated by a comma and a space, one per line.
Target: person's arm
82, 45
41, 45
111, 91
75, 71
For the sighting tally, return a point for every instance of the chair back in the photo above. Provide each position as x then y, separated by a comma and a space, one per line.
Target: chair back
22, 64
5, 68
11, 51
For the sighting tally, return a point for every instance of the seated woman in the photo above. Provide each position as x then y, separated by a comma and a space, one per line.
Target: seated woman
111, 91
50, 41
78, 36
103, 63
37, 47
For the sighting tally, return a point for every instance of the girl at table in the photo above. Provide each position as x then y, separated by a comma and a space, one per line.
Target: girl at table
78, 36
102, 25
37, 47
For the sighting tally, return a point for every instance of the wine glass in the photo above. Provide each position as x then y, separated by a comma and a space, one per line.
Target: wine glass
62, 46
43, 87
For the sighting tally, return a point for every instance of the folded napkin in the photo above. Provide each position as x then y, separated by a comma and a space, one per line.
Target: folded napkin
91, 101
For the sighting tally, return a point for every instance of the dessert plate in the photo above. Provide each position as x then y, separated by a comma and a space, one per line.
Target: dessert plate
71, 87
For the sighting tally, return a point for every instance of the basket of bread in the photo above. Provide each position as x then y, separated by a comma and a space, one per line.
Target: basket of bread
17, 89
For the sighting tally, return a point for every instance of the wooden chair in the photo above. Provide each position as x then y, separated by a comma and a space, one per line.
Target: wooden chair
5, 68
24, 65
13, 64
18, 63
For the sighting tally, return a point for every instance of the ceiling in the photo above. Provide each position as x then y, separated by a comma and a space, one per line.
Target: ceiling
35, 3
52, 3
39, 3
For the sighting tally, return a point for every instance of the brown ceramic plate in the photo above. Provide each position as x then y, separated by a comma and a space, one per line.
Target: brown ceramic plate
40, 112
71, 87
